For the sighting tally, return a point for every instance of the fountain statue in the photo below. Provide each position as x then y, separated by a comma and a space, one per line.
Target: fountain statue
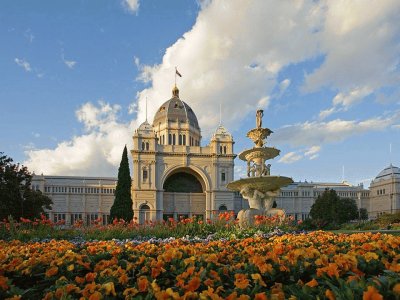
259, 188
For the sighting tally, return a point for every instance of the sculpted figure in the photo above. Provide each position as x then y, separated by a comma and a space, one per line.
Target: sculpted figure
259, 115
266, 170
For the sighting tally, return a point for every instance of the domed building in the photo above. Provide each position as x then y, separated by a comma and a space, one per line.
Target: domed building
173, 174
385, 192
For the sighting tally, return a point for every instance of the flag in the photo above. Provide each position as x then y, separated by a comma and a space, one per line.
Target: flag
177, 73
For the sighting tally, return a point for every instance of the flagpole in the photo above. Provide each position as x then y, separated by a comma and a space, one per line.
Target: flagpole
175, 74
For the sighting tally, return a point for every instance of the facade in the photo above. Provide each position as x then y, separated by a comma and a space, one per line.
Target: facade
173, 175
385, 192
77, 198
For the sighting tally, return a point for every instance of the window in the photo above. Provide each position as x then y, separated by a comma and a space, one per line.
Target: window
106, 219
224, 149
184, 139
145, 174
147, 146
174, 139
143, 145
169, 139
223, 208
75, 218
220, 149
58, 217
180, 139
90, 218
223, 176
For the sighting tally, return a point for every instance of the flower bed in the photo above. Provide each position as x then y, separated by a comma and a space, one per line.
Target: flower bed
304, 266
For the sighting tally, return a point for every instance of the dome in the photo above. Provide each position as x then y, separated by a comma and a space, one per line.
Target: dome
145, 128
388, 173
176, 110
221, 132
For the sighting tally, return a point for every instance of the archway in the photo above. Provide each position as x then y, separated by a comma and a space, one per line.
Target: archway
144, 213
184, 194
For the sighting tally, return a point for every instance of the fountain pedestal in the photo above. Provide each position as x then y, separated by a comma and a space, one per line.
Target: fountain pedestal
259, 188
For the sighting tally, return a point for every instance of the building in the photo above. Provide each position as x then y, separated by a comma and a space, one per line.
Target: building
173, 174
385, 192
77, 198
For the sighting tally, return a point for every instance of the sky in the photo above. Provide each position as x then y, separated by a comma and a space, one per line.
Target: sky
75, 75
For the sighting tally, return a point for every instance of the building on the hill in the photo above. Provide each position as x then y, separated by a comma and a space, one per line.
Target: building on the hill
385, 192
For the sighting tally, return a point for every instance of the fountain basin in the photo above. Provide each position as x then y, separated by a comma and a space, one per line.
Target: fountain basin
262, 184
263, 153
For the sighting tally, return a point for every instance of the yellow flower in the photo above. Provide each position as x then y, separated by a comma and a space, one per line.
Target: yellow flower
372, 294
109, 288
257, 277
71, 267
130, 292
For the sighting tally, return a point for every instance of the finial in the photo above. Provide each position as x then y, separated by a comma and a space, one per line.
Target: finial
175, 92
220, 114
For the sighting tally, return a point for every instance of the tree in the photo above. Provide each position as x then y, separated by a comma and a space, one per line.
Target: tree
122, 207
330, 208
363, 214
16, 196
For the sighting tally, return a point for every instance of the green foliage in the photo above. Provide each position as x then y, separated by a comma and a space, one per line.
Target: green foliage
329, 208
17, 199
363, 214
122, 207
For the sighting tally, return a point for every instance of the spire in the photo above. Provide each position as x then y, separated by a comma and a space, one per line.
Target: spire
146, 112
220, 114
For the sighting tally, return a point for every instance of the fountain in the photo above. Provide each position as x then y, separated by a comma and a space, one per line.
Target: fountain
259, 188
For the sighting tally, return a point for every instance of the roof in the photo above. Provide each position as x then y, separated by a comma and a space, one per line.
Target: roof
145, 128
388, 173
174, 110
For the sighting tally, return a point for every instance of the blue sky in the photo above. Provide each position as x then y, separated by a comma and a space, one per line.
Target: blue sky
75, 76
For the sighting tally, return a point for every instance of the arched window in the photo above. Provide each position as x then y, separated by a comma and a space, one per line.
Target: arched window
174, 139
163, 140
144, 213
223, 208
220, 149
143, 146
169, 139
180, 139
145, 174
224, 149
147, 146
184, 139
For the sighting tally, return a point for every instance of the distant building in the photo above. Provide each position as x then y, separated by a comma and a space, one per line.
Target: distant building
385, 192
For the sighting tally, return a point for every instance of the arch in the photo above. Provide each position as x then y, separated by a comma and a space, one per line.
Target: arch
144, 213
222, 207
197, 172
183, 182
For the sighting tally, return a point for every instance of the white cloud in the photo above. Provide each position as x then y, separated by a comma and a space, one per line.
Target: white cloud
69, 63
97, 152
312, 152
226, 55
131, 6
318, 133
24, 64
290, 157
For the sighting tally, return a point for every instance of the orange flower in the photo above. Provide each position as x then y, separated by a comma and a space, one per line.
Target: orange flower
52, 271
79, 280
3, 283
260, 296
90, 277
396, 289
96, 296
143, 284
330, 295
109, 288
312, 283
130, 292
193, 284
372, 294
241, 281
257, 277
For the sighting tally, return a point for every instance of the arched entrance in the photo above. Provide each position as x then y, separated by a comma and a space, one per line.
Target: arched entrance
144, 213
184, 195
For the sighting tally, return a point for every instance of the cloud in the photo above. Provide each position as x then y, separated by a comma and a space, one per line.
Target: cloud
319, 133
131, 6
97, 152
344, 100
290, 157
23, 64
312, 152
226, 56
69, 63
